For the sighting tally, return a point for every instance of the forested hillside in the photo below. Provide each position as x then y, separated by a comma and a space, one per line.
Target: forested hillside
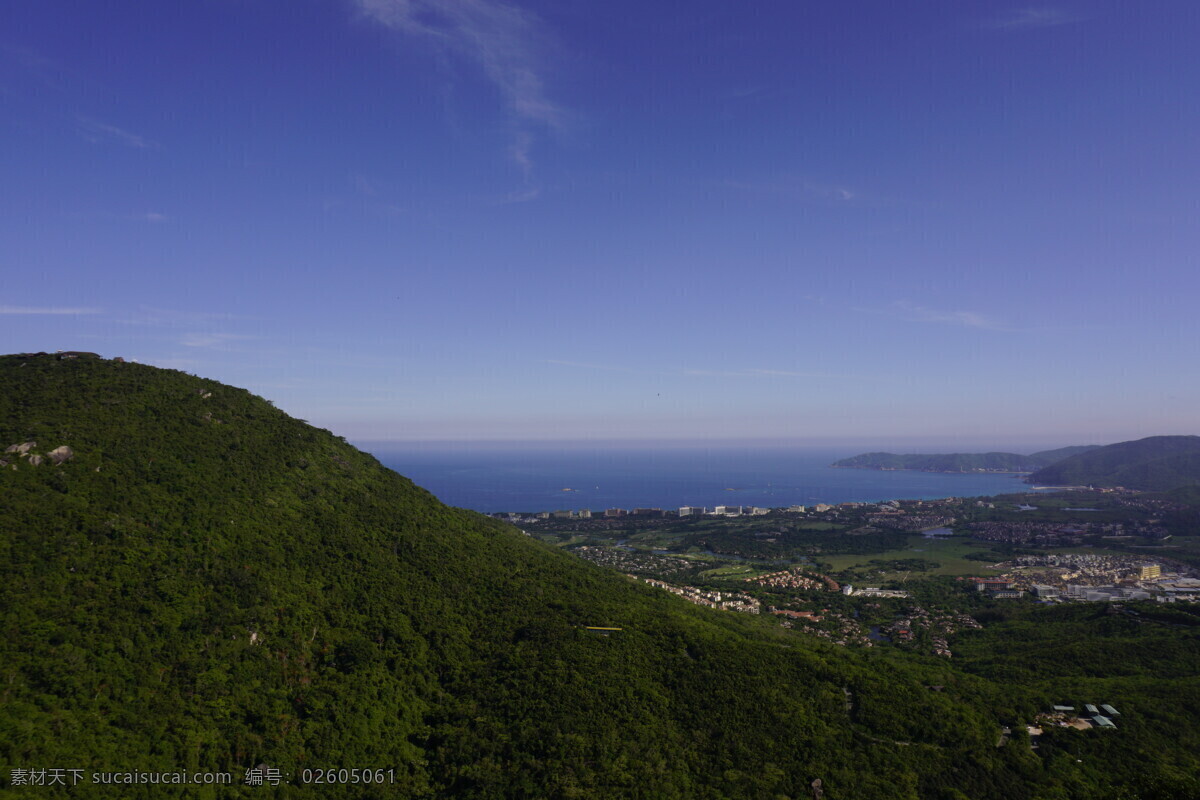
192, 580
1156, 463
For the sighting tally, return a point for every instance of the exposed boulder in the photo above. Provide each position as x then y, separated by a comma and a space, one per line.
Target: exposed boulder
35, 460
60, 454
21, 448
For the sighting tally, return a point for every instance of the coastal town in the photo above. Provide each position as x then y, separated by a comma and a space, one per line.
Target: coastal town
912, 574
1093, 578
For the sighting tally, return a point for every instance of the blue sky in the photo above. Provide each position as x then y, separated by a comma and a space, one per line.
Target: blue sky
932, 222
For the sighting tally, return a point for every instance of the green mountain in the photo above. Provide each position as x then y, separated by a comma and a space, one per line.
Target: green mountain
1157, 463
192, 580
1048, 457
961, 462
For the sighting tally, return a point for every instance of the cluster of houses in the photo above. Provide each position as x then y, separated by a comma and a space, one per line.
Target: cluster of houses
1142, 581
725, 601
794, 579
939, 625
839, 628
1066, 716
684, 511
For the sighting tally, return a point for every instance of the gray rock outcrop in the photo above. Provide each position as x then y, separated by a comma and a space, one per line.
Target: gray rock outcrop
61, 454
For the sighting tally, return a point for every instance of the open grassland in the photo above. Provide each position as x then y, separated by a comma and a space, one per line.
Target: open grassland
816, 525
948, 552
742, 571
733, 570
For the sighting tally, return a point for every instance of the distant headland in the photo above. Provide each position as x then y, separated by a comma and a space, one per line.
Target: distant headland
1156, 463
962, 462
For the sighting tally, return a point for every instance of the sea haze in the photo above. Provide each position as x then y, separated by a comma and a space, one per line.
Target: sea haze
495, 478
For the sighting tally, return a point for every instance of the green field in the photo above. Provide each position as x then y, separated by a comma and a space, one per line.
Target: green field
817, 525
947, 551
734, 571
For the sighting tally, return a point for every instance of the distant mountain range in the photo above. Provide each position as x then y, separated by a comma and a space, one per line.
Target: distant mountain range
963, 462
1157, 463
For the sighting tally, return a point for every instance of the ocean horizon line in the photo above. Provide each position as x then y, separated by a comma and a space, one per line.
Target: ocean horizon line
810, 444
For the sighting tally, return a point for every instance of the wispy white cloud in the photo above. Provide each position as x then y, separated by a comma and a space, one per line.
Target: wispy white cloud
742, 92
585, 365
117, 216
99, 132
48, 310
1028, 18
364, 185
33, 63
520, 153
212, 339
798, 188
749, 372
752, 373
966, 319
176, 318
523, 195
27, 57
506, 43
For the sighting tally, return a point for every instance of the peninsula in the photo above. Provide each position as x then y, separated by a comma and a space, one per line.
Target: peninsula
962, 462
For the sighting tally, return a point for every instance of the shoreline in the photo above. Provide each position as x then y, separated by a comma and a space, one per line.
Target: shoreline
936, 471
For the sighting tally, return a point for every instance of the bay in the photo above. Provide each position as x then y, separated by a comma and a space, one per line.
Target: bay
492, 478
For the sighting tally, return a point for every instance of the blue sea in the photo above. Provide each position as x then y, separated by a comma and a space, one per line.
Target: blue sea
491, 478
